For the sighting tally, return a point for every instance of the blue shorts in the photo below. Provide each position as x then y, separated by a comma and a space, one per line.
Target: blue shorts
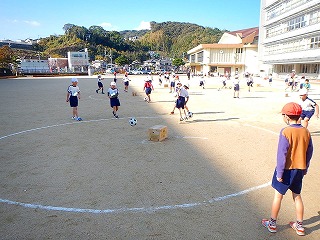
306, 114
292, 179
172, 84
148, 90
114, 102
100, 85
73, 101
180, 103
126, 83
236, 87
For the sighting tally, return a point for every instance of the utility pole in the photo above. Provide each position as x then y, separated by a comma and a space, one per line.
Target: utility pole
110, 55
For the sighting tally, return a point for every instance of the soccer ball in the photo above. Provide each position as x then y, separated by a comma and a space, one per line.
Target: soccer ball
146, 99
190, 114
132, 121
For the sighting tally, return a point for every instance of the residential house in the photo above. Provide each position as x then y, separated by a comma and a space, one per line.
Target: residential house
235, 53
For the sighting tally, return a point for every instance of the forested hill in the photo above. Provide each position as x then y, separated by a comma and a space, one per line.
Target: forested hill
169, 39
174, 38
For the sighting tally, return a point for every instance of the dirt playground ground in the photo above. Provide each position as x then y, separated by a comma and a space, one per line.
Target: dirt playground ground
103, 179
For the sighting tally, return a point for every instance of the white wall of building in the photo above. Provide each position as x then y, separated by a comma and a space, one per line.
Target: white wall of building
34, 66
290, 36
78, 61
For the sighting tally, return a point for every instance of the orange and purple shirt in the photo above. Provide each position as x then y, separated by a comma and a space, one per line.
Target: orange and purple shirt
295, 149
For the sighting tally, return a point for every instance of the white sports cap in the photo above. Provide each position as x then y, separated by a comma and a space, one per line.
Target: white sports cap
113, 84
74, 80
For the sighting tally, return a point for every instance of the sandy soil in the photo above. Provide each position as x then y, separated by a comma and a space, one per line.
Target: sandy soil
103, 179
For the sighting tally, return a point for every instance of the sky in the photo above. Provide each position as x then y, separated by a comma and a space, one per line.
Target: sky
22, 19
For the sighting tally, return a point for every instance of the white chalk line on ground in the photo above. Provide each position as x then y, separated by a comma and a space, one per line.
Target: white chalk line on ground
263, 129
124, 210
136, 209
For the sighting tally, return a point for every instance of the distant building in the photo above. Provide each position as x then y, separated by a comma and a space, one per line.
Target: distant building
163, 64
78, 61
236, 52
34, 66
58, 65
290, 37
17, 44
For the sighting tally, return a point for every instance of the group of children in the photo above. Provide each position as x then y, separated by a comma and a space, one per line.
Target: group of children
73, 95
294, 153
182, 95
295, 83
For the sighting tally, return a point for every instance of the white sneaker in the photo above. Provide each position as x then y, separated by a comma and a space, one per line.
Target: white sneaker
299, 229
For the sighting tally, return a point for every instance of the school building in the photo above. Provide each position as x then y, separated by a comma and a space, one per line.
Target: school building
289, 37
235, 53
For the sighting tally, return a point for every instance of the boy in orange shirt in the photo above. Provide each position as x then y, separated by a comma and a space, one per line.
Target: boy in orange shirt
293, 158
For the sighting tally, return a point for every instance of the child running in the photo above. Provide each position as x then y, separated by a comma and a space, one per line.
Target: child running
113, 94
176, 94
148, 88
126, 83
309, 108
183, 97
236, 86
73, 96
100, 85
293, 158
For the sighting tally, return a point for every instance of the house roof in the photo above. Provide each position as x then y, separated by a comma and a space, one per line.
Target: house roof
245, 32
246, 37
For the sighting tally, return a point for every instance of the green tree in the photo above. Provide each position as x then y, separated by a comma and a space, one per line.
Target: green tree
121, 60
178, 62
8, 59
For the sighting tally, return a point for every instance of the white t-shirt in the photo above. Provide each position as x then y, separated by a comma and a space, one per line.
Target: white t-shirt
183, 92
308, 104
113, 93
73, 90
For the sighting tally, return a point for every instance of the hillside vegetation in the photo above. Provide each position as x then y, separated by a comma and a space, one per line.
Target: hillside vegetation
167, 39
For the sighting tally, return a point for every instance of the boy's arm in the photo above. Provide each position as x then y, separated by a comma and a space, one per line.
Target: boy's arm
283, 146
79, 95
68, 96
309, 154
316, 113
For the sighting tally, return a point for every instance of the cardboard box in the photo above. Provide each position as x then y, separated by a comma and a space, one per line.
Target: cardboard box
165, 85
158, 133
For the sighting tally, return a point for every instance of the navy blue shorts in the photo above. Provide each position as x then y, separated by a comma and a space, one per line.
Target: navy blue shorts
172, 84
236, 87
306, 114
292, 179
126, 83
73, 101
148, 90
114, 102
100, 85
180, 103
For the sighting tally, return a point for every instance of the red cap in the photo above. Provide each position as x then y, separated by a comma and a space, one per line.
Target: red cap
291, 108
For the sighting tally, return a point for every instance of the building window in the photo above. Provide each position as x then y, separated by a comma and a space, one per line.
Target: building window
304, 68
284, 6
296, 23
314, 17
193, 58
315, 42
200, 56
239, 50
